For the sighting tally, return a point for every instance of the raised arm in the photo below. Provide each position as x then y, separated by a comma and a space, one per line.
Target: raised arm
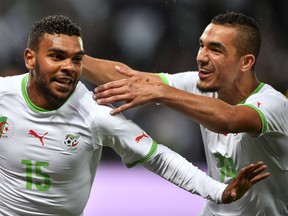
100, 71
212, 113
176, 169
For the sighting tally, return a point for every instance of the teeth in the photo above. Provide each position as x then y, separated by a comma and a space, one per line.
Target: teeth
64, 81
204, 71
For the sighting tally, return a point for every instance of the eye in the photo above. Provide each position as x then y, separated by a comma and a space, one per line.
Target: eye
77, 59
57, 56
216, 50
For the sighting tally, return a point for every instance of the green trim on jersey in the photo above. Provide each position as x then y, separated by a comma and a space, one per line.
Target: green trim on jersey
152, 150
26, 97
262, 116
163, 78
254, 92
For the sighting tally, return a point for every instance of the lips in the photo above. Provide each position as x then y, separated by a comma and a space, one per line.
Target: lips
65, 81
204, 74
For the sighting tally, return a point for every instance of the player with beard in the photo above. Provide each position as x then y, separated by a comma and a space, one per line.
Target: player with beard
52, 133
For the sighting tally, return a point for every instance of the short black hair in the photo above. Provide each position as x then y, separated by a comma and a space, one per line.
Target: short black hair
249, 37
54, 24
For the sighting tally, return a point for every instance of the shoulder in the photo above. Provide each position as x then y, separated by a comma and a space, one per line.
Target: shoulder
267, 96
82, 101
11, 83
272, 105
186, 81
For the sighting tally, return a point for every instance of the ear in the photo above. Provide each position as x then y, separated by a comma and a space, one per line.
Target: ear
29, 57
248, 62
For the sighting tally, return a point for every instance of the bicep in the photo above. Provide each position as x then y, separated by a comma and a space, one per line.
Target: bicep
247, 118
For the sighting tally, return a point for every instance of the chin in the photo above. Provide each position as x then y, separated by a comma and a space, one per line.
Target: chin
206, 88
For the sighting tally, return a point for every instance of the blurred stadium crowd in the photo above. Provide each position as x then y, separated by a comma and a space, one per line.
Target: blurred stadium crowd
150, 35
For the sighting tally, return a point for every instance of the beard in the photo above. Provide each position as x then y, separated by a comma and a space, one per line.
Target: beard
45, 91
208, 89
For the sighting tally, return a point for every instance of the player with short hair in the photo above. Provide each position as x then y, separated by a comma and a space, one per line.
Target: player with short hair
242, 119
52, 134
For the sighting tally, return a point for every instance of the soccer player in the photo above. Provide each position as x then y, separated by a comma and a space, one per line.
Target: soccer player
52, 133
242, 119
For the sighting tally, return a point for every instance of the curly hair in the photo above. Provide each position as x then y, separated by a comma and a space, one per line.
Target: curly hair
248, 39
55, 24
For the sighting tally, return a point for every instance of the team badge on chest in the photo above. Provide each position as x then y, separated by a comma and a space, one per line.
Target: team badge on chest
6, 127
72, 142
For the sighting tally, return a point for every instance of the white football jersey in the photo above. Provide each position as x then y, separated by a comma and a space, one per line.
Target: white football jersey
48, 159
226, 154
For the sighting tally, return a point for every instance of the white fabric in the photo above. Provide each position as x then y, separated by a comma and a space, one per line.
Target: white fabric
185, 175
226, 152
48, 159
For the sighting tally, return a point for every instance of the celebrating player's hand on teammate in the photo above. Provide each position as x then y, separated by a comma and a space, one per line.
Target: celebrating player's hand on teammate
245, 179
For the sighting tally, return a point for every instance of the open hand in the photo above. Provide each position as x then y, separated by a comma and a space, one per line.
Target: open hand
135, 90
246, 178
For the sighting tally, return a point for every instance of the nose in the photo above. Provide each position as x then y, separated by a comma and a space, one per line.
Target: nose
68, 66
202, 56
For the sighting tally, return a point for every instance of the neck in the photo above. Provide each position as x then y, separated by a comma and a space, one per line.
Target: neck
239, 91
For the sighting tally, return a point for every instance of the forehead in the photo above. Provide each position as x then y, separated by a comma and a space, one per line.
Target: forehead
219, 34
62, 42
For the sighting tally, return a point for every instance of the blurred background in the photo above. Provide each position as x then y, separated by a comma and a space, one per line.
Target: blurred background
150, 35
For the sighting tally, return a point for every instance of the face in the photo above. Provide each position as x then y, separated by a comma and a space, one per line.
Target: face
218, 63
55, 69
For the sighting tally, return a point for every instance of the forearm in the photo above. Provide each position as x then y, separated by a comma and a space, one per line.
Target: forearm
209, 112
176, 169
100, 71
212, 113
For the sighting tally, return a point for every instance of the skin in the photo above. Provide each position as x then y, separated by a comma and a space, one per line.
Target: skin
54, 69
220, 70
246, 178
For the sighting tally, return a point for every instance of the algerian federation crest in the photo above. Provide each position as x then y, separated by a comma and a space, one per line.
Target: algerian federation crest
72, 142
6, 127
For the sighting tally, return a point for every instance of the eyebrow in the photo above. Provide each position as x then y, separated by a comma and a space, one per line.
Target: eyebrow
214, 44
63, 52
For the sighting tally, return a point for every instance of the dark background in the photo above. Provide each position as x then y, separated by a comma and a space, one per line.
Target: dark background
150, 35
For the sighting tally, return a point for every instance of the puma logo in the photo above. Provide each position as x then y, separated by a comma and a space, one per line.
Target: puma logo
41, 138
137, 139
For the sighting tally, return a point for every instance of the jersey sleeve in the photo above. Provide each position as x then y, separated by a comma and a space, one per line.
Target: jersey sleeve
272, 109
186, 81
176, 169
126, 138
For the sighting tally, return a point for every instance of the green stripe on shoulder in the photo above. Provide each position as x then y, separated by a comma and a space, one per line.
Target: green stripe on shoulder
151, 152
163, 78
262, 117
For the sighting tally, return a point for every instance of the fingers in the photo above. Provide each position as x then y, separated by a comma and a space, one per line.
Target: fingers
111, 92
125, 71
110, 85
252, 172
121, 109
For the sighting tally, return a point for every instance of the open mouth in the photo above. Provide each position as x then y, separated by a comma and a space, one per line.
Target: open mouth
203, 74
64, 81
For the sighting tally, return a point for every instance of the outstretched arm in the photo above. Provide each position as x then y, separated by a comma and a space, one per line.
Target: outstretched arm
176, 169
100, 71
212, 113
